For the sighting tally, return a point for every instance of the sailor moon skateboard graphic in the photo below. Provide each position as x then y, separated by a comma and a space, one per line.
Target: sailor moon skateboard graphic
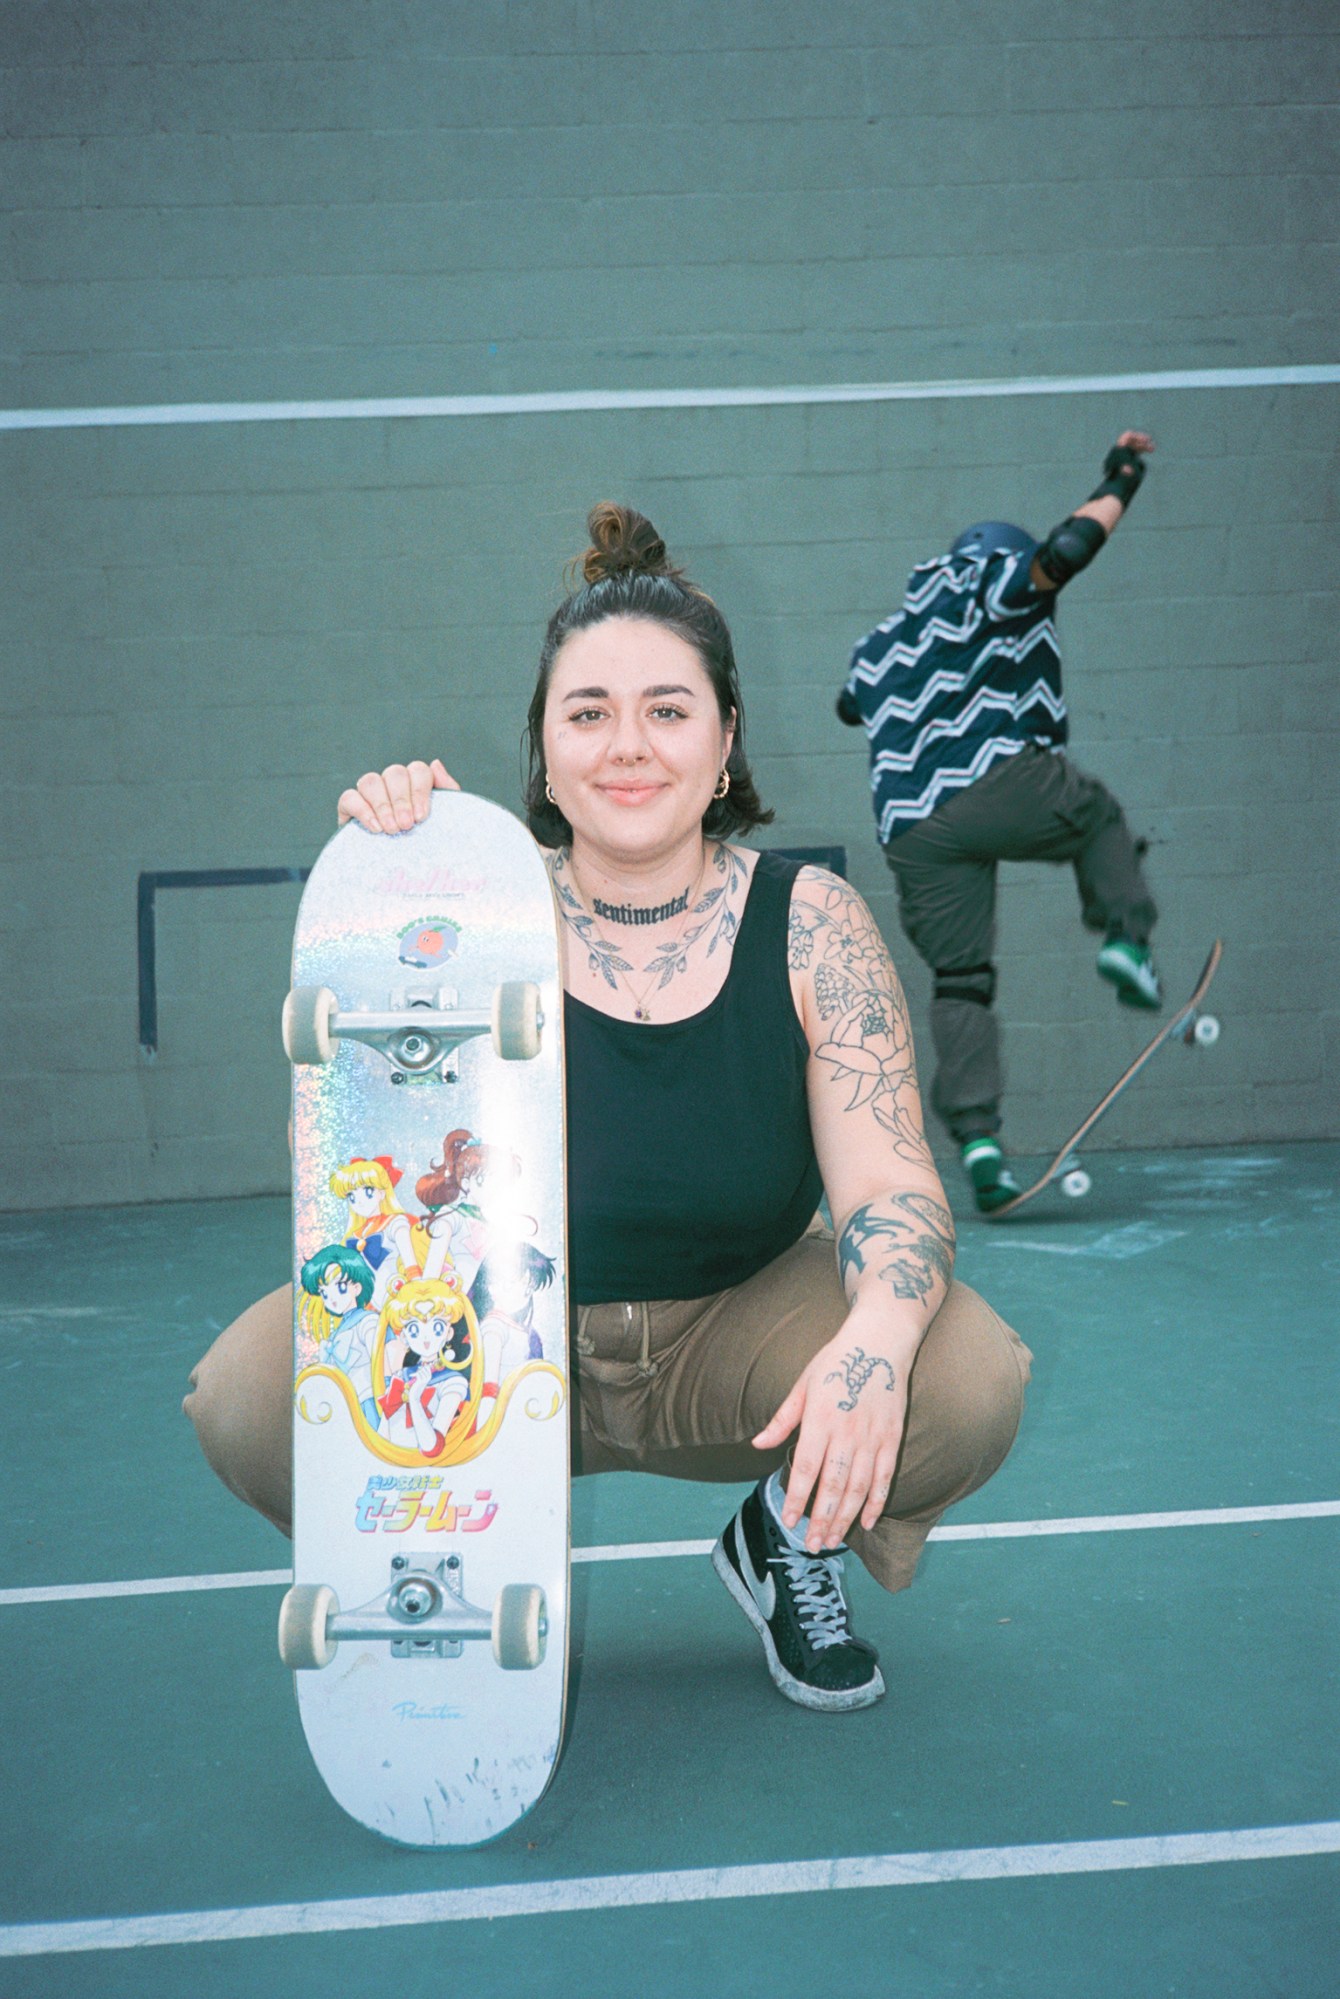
427, 1622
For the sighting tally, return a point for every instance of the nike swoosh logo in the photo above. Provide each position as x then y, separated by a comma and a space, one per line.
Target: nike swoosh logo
762, 1588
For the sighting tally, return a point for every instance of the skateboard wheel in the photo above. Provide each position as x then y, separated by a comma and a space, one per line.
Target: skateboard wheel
307, 1015
303, 1619
1206, 1031
516, 1021
520, 1626
1075, 1184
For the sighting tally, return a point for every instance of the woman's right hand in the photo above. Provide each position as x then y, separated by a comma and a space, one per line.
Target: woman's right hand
394, 799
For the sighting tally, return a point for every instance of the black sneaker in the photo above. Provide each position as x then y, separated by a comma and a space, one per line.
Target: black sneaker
795, 1603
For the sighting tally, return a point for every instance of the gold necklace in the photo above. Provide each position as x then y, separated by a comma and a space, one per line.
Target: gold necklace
640, 999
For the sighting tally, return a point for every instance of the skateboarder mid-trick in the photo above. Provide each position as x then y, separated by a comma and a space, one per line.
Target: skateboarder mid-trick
959, 693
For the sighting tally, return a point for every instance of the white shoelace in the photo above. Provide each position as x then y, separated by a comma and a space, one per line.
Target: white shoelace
817, 1590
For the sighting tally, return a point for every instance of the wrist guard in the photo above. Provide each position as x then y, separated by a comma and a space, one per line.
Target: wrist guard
1123, 469
1069, 548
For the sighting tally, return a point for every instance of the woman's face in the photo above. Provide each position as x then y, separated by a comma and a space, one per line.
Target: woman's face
633, 738
365, 1200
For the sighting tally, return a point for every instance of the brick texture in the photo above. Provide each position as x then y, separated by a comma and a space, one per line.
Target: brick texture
206, 631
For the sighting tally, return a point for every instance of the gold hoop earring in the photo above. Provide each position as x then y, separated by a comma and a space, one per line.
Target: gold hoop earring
549, 792
723, 783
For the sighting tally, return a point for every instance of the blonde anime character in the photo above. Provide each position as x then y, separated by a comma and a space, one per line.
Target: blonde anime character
427, 1386
388, 1240
431, 1364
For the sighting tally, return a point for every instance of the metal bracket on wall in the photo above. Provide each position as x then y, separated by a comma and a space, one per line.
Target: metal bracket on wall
149, 885
832, 858
146, 948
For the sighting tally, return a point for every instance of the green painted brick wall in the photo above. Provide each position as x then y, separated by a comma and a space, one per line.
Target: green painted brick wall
207, 630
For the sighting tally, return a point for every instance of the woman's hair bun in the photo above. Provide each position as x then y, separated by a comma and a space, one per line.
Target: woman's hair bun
623, 542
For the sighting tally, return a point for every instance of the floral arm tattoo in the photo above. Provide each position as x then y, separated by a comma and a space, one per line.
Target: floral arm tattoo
906, 1239
868, 1038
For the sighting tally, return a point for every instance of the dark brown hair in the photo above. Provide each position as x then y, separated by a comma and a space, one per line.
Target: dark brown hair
626, 573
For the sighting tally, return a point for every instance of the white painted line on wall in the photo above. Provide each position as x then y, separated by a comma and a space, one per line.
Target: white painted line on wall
561, 402
650, 1551
691, 1884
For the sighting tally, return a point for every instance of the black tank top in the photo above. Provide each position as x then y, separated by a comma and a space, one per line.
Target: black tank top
690, 1157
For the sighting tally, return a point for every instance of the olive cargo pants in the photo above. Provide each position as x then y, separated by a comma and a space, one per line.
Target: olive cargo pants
1035, 806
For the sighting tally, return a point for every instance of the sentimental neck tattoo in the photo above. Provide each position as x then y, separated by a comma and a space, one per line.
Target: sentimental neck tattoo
607, 959
627, 912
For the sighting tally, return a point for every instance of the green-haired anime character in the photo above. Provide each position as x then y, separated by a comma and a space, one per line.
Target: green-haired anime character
339, 1284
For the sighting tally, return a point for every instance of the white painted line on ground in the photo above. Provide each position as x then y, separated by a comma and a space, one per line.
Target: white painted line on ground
146, 1586
650, 1551
570, 401
55, 1312
691, 1884
642, 1551
1121, 1523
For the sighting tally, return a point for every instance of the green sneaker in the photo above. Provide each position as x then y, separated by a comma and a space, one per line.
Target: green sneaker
1130, 968
992, 1182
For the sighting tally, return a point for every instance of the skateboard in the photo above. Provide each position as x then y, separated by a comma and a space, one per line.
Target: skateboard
427, 1622
1188, 1025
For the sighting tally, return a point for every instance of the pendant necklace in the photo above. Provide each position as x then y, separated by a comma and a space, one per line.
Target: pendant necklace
684, 903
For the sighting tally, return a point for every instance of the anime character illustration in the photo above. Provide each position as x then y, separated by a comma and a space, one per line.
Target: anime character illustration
391, 1242
457, 1229
431, 1364
431, 1403
338, 1286
503, 1297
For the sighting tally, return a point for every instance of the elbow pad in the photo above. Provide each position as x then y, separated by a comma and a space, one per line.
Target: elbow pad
847, 709
1069, 548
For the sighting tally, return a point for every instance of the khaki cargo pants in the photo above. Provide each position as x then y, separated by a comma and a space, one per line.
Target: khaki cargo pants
679, 1388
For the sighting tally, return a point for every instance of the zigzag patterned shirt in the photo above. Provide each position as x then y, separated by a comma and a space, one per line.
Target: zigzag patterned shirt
967, 671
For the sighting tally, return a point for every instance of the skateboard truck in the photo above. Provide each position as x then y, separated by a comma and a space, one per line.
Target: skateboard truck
422, 1614
418, 1032
414, 1053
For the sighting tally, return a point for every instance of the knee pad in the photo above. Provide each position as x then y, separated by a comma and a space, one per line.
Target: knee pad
974, 983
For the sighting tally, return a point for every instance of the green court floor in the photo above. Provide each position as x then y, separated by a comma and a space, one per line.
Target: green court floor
1060, 1702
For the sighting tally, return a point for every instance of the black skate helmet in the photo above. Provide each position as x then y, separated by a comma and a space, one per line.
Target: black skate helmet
988, 536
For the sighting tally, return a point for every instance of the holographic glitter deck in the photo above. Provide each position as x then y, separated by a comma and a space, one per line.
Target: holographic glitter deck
427, 1625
